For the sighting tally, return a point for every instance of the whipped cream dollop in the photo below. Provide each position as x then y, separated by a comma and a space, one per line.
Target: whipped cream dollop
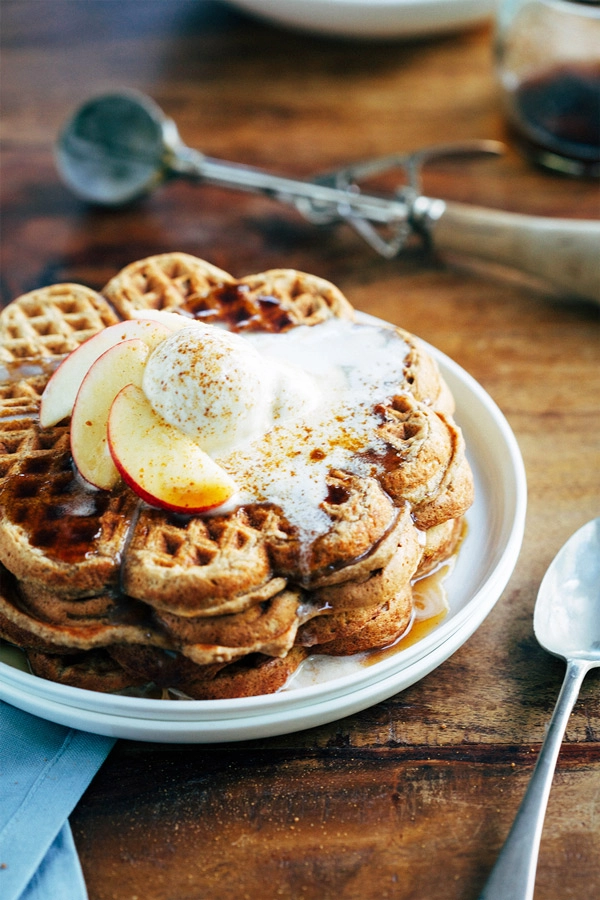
218, 388
279, 410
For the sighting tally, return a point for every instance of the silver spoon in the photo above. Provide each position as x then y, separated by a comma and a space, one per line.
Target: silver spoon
566, 622
117, 147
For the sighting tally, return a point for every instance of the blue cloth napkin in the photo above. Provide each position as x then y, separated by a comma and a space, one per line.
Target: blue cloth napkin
44, 770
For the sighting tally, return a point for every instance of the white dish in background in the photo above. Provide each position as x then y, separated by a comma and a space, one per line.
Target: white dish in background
371, 18
484, 565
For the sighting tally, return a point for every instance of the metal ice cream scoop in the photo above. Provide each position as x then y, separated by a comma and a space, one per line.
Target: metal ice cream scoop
120, 146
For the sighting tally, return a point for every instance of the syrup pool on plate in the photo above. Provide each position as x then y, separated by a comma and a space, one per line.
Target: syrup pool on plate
431, 608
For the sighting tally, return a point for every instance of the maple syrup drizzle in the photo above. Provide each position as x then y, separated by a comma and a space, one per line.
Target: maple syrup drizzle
234, 305
62, 517
13, 656
419, 628
337, 494
428, 591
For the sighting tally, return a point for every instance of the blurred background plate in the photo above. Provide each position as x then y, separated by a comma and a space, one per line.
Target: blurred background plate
371, 18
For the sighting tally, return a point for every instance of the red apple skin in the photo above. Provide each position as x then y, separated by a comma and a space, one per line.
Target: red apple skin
132, 423
151, 500
121, 364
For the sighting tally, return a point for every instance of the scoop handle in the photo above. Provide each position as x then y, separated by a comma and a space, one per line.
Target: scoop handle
514, 873
565, 253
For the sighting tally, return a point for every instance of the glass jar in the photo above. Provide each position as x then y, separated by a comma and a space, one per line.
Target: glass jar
547, 55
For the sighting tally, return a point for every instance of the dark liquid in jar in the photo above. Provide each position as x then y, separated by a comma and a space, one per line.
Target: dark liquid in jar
557, 114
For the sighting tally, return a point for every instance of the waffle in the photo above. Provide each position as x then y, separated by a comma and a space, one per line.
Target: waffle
92, 670
21, 397
400, 556
350, 631
105, 592
434, 475
55, 533
194, 566
360, 537
246, 677
28, 629
269, 628
274, 300
42, 326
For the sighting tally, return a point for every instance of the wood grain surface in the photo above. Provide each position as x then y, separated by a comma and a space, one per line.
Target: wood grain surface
412, 798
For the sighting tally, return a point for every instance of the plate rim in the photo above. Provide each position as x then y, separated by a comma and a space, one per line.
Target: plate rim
382, 19
255, 727
237, 713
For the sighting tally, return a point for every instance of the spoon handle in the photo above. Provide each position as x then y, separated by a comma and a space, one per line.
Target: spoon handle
513, 876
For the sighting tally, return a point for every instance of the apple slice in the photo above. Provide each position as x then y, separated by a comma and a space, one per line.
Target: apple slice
119, 365
164, 466
59, 396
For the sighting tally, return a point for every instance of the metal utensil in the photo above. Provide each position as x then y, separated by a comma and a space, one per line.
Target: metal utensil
567, 624
119, 146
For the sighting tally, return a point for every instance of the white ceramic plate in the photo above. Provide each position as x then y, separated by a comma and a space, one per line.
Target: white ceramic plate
371, 18
485, 563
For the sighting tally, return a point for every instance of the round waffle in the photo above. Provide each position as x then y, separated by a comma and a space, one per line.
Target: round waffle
348, 631
46, 324
273, 300
246, 677
54, 531
268, 628
21, 397
103, 590
29, 630
170, 280
359, 539
198, 566
377, 582
93, 670
432, 473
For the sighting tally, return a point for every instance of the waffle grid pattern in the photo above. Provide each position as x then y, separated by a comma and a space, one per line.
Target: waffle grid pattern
50, 322
223, 606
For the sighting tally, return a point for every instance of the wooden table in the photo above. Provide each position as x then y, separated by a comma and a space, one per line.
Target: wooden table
414, 797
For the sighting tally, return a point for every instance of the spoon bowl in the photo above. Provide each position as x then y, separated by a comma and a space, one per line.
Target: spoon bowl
566, 621
567, 624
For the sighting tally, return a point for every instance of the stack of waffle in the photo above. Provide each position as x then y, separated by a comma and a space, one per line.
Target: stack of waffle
104, 592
